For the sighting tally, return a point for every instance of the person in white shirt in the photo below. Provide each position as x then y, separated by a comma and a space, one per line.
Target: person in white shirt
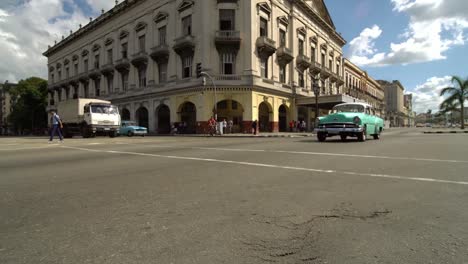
56, 126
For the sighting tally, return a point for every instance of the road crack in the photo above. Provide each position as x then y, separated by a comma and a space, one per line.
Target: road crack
292, 242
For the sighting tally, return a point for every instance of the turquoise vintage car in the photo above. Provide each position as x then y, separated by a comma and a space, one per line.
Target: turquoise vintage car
130, 129
350, 120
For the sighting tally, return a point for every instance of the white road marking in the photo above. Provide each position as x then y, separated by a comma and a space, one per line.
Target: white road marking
275, 166
31, 148
334, 154
314, 153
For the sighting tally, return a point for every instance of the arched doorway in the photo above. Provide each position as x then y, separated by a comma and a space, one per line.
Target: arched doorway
264, 117
188, 115
142, 117
125, 115
231, 110
283, 118
164, 119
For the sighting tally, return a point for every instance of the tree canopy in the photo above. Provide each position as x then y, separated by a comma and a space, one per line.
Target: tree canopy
29, 104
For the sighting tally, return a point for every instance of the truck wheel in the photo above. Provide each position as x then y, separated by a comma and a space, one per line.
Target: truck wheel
321, 137
112, 134
85, 133
130, 134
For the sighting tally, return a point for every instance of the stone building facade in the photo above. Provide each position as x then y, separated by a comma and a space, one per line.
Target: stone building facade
360, 85
396, 112
262, 56
410, 116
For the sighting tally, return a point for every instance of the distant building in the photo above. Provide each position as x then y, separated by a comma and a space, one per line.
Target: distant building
360, 85
396, 111
6, 107
408, 102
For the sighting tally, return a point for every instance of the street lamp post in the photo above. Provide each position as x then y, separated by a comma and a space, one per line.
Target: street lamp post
215, 99
316, 88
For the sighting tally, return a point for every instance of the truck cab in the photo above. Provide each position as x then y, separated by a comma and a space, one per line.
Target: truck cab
102, 118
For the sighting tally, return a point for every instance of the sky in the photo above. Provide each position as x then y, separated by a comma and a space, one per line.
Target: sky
421, 43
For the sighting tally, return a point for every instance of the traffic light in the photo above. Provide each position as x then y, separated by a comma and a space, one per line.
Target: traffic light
199, 70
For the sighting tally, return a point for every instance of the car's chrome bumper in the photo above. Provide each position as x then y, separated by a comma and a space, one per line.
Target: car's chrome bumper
140, 132
340, 130
102, 128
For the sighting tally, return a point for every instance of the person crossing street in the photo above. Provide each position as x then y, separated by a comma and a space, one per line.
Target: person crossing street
56, 127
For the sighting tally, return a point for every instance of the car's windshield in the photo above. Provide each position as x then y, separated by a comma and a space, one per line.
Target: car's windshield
129, 123
349, 108
104, 109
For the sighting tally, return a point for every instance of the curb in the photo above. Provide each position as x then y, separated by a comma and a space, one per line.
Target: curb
446, 132
246, 136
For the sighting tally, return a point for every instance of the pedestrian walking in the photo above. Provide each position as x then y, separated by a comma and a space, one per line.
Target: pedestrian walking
212, 126
254, 127
230, 125
303, 126
298, 126
57, 125
291, 125
224, 123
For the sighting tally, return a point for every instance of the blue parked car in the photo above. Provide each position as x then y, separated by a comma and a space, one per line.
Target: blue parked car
131, 129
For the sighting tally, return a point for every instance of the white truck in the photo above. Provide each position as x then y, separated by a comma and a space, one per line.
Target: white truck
88, 117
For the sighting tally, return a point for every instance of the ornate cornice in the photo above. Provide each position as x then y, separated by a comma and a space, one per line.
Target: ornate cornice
115, 11
330, 28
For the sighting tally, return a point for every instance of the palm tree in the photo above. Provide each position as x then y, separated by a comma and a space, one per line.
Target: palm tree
457, 95
449, 107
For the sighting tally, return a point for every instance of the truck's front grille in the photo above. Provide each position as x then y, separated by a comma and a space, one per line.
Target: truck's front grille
106, 122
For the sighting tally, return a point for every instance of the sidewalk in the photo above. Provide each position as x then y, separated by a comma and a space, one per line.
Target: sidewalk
446, 131
260, 135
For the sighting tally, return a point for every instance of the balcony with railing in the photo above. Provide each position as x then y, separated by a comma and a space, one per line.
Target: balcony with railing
315, 67
227, 39
122, 65
325, 72
107, 69
265, 46
160, 53
95, 73
302, 62
140, 59
333, 77
284, 55
83, 77
185, 45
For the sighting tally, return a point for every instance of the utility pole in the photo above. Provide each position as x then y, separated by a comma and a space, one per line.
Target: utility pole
215, 99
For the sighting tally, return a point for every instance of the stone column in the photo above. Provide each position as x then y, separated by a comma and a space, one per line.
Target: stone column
151, 117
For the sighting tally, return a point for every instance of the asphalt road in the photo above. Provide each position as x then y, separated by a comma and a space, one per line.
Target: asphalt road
402, 199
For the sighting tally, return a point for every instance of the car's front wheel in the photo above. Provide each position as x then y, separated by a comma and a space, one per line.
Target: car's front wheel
130, 134
321, 137
377, 135
362, 136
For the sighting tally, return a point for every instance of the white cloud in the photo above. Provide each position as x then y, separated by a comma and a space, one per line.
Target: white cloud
364, 44
435, 27
27, 28
427, 95
98, 5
